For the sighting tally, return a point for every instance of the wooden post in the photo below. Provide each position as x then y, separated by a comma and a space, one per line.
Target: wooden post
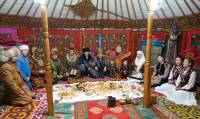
47, 58
147, 76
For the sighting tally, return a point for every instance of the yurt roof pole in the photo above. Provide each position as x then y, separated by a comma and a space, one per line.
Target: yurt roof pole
147, 75
47, 58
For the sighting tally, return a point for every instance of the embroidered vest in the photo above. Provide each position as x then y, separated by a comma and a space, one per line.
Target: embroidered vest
160, 69
185, 77
176, 72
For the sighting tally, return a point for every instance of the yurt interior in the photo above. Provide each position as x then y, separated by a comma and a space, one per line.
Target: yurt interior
99, 59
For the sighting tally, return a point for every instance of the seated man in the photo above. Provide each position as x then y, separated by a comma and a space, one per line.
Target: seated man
86, 64
57, 71
37, 68
17, 93
72, 63
161, 72
101, 65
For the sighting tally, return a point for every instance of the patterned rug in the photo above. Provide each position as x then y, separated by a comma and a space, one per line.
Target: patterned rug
36, 110
168, 109
100, 110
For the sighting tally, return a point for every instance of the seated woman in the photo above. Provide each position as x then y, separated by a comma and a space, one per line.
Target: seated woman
135, 75
17, 93
137, 66
86, 64
57, 70
183, 91
174, 73
161, 72
72, 63
101, 65
37, 68
125, 69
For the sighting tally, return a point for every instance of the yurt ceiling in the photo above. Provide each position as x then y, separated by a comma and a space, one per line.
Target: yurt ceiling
99, 13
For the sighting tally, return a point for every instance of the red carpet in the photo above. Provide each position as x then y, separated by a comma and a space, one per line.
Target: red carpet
100, 110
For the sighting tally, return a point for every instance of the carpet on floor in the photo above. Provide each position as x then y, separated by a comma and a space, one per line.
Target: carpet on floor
100, 110
167, 109
35, 110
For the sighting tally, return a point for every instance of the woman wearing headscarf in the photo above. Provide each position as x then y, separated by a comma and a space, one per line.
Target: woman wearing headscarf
138, 65
17, 92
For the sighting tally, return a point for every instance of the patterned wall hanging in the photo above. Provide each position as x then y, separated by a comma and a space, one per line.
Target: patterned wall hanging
158, 43
85, 8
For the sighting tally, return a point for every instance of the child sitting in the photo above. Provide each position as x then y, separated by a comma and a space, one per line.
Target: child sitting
112, 69
125, 70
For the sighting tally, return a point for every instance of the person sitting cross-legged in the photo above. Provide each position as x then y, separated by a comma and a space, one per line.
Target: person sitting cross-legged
86, 64
125, 69
161, 72
184, 90
112, 69
17, 93
174, 73
57, 70
101, 65
37, 68
72, 64
23, 64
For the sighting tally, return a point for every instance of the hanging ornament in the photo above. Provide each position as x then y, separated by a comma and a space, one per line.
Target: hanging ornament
85, 8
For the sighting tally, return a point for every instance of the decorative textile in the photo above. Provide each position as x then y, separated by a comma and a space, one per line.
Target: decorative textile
100, 41
157, 47
35, 110
8, 37
190, 53
171, 53
110, 40
85, 8
163, 113
100, 110
170, 109
195, 41
8, 33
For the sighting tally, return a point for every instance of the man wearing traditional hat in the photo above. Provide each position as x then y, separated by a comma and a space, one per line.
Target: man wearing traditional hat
17, 92
87, 64
23, 65
37, 68
57, 69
